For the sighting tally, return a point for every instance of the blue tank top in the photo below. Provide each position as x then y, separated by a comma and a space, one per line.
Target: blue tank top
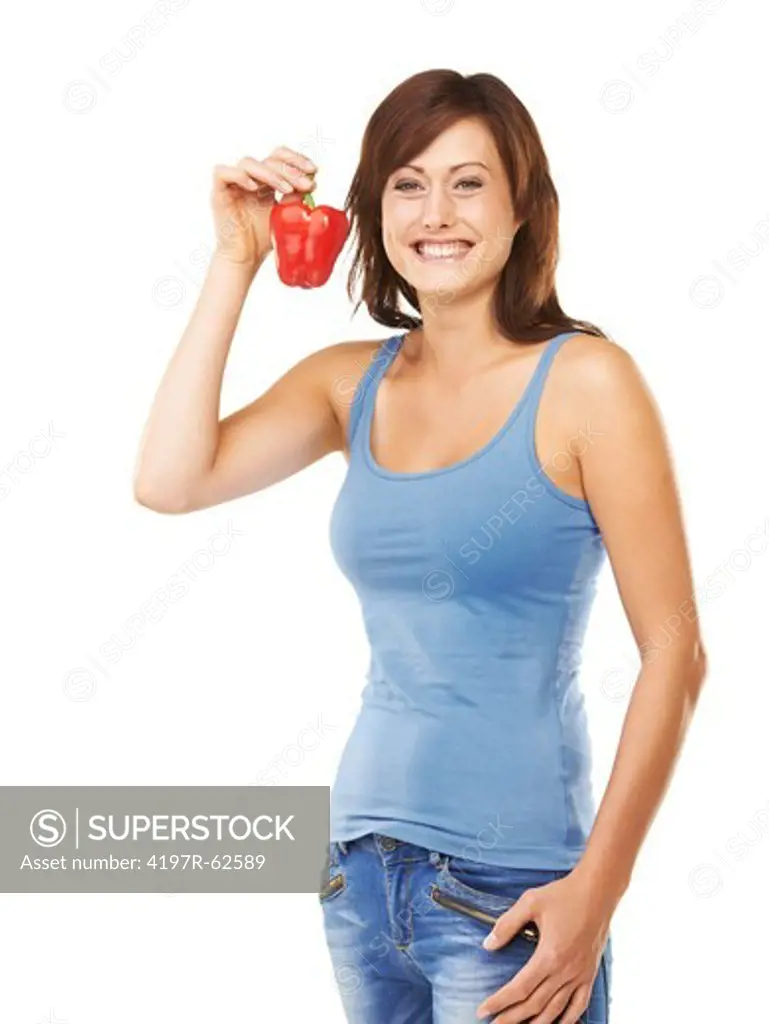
475, 583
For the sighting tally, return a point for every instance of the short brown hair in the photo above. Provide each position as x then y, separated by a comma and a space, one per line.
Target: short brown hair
406, 122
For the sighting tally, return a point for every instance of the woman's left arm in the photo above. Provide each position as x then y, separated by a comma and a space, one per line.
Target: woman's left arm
628, 477
627, 474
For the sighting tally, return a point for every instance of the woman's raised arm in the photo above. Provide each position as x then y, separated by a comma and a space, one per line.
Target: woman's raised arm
188, 459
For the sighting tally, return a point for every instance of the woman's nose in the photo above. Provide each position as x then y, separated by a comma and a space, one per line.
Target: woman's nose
437, 211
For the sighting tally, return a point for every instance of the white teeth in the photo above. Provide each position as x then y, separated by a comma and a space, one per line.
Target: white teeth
436, 251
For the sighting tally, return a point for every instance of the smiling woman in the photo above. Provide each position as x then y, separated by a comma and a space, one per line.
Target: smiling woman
442, 144
482, 201
498, 450
471, 747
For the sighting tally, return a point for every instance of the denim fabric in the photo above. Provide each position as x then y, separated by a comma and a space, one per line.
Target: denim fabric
401, 957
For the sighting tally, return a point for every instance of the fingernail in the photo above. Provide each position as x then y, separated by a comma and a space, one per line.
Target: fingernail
491, 941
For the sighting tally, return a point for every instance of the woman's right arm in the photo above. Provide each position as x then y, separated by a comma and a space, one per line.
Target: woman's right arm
189, 459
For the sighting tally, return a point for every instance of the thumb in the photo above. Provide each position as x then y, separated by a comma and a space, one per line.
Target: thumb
510, 923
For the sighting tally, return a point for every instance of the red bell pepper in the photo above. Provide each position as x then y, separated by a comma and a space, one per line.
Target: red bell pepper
307, 239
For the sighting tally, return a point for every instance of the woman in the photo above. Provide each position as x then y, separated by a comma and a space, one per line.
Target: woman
497, 449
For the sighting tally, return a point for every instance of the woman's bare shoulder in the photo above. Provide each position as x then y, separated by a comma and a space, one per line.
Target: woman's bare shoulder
593, 375
341, 365
592, 362
589, 353
338, 369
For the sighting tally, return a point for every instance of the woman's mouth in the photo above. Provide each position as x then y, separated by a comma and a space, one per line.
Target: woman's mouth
442, 252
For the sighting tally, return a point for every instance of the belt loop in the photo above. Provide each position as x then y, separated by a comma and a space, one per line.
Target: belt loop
342, 846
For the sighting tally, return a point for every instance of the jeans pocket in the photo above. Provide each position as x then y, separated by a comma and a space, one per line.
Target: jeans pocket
492, 882
485, 891
479, 910
333, 880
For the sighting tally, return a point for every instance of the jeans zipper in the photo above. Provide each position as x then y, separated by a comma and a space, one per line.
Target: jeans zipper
334, 884
528, 932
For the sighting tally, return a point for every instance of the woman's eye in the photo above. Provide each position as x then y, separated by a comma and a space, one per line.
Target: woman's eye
470, 181
400, 186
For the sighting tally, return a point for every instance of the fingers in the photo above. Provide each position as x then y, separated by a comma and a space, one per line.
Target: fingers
263, 173
255, 175
284, 170
534, 977
546, 999
551, 1011
298, 178
225, 175
511, 922
542, 1005
578, 1005
278, 172
290, 156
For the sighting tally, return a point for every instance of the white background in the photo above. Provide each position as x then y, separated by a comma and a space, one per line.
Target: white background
653, 118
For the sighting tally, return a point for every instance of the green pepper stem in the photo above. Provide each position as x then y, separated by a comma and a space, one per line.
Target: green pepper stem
308, 200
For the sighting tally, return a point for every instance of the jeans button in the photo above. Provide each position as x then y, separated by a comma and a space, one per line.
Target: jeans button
388, 843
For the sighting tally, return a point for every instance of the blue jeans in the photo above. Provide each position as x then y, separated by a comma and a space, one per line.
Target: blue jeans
404, 927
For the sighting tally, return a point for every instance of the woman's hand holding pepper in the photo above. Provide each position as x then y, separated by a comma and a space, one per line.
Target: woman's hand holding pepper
573, 921
242, 199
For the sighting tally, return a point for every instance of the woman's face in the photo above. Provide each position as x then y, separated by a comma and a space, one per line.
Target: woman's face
455, 190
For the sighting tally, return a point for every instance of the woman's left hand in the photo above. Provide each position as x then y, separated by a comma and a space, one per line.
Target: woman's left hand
555, 985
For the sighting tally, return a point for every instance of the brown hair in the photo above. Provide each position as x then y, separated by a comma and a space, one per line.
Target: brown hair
406, 122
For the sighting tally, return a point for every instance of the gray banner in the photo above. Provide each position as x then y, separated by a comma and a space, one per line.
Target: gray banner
163, 838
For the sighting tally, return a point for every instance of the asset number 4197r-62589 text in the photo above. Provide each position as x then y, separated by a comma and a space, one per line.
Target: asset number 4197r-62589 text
195, 862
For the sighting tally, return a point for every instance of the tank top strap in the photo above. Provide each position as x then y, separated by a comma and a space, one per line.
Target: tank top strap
538, 378
365, 390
